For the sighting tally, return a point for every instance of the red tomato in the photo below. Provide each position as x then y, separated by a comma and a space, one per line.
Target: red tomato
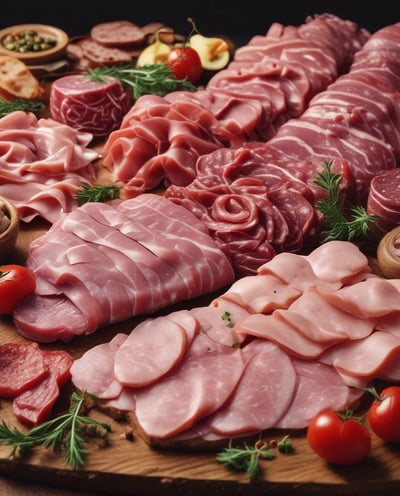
337, 439
184, 63
16, 282
384, 415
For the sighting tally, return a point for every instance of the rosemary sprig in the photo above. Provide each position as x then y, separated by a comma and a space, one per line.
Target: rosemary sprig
154, 79
340, 225
20, 104
246, 457
66, 431
100, 193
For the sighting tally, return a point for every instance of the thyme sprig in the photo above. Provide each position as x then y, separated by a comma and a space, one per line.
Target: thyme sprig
20, 104
340, 225
67, 431
99, 193
156, 79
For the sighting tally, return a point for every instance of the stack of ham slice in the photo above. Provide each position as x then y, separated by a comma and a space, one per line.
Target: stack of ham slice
259, 199
270, 81
271, 352
104, 263
43, 165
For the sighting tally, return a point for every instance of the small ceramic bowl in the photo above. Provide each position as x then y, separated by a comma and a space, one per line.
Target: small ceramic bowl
30, 57
8, 237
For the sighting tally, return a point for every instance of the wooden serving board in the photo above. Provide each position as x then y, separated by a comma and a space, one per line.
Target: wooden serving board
129, 466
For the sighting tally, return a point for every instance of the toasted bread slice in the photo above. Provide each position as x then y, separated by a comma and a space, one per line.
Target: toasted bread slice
17, 81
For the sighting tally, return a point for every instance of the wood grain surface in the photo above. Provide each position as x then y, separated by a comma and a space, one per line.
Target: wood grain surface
130, 467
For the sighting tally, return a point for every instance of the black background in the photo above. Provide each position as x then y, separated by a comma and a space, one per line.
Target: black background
239, 21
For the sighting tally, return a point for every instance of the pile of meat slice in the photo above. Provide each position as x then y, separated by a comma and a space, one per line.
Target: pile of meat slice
271, 352
259, 199
104, 263
33, 379
269, 81
43, 164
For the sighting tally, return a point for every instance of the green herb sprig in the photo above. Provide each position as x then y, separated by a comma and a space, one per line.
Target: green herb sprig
20, 104
155, 79
248, 458
355, 224
100, 193
67, 431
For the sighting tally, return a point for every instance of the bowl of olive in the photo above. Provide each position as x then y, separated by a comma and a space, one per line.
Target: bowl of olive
33, 43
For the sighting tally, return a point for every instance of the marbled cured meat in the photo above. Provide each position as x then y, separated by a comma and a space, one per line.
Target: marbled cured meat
249, 100
361, 141
384, 199
95, 107
104, 263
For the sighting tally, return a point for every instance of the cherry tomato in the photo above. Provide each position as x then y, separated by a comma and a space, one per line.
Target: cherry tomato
184, 63
16, 282
384, 414
338, 439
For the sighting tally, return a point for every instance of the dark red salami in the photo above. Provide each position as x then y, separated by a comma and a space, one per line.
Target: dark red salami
118, 33
96, 107
21, 367
384, 199
34, 405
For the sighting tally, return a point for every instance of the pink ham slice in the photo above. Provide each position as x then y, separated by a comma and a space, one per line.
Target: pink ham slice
94, 370
374, 357
95, 107
318, 387
197, 388
263, 394
34, 405
151, 350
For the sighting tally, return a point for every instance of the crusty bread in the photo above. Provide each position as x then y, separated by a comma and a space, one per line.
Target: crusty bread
17, 81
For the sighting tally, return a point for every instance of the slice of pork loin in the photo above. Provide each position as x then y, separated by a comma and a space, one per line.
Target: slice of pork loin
159, 258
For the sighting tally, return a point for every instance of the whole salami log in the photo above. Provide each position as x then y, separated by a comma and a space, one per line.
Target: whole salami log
384, 199
96, 107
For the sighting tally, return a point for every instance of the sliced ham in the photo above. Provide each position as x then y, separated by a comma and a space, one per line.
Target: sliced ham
44, 164
262, 395
151, 350
201, 385
94, 370
319, 386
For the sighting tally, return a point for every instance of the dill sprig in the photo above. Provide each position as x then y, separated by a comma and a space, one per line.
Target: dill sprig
20, 104
156, 79
67, 431
340, 225
99, 193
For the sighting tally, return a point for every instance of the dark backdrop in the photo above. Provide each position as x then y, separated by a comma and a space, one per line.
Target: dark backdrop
238, 20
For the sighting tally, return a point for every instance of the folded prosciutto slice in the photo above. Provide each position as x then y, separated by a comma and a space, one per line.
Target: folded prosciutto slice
270, 80
104, 263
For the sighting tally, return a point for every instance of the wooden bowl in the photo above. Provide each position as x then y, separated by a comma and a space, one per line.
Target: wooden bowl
9, 236
40, 57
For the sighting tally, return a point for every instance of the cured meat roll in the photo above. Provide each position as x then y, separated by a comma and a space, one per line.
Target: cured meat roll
269, 81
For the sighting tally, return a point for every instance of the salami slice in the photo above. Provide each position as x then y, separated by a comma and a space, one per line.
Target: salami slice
118, 33
21, 367
384, 199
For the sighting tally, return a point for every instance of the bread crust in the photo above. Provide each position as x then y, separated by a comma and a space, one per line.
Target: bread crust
17, 81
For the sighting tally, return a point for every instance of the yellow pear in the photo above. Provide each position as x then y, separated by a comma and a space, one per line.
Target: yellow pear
155, 53
214, 52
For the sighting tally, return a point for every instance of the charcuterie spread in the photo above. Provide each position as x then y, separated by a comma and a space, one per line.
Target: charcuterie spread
243, 276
